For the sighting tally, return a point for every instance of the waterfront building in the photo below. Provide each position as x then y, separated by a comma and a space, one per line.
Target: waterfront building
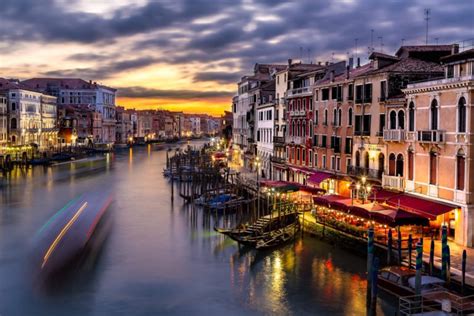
123, 129
332, 140
265, 116
144, 124
49, 121
3, 122
75, 91
438, 144
24, 113
244, 111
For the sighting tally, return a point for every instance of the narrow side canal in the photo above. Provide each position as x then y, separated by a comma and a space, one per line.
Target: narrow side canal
162, 257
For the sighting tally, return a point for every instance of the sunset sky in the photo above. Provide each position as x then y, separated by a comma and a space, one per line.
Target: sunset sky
188, 55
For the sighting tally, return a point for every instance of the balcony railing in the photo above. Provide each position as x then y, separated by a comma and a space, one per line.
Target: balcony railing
431, 136
296, 139
297, 91
278, 139
368, 172
393, 182
278, 160
362, 133
394, 135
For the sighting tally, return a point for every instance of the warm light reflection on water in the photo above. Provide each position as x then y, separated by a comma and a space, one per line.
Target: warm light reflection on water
163, 257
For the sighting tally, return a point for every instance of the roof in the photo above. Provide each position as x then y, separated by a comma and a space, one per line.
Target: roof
8, 84
405, 51
353, 72
467, 54
64, 83
409, 65
378, 55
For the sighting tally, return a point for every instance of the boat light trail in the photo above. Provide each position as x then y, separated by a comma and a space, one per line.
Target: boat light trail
62, 233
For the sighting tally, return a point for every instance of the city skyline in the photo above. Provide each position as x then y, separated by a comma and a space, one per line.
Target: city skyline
188, 55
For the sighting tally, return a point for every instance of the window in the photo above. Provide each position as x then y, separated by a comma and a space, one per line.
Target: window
325, 94
303, 155
310, 156
450, 71
410, 165
325, 117
383, 90
357, 159
13, 106
350, 92
338, 163
278, 79
323, 164
359, 94
358, 124
13, 124
433, 168
348, 147
368, 92
339, 93
462, 115
349, 117
316, 117
315, 140
339, 117
366, 129
348, 165
310, 105
334, 93
317, 95
316, 160
460, 167
381, 123
391, 165
434, 114
400, 165
411, 117
401, 119
333, 162
334, 117
323, 141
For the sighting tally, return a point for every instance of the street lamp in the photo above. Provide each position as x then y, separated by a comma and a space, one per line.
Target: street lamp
363, 188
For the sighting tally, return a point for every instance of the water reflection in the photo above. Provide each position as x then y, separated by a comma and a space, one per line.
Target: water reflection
163, 257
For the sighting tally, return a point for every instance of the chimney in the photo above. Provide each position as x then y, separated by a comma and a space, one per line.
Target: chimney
351, 62
289, 61
90, 81
319, 63
358, 61
454, 49
348, 70
331, 75
327, 63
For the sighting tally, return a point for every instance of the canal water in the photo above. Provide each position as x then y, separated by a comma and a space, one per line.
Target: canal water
162, 257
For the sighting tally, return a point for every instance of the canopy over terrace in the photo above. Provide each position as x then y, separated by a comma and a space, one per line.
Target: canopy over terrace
379, 213
287, 187
424, 207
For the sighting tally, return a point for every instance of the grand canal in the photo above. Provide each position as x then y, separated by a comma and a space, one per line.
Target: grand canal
162, 257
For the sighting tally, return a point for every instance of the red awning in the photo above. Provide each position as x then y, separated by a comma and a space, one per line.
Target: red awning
318, 177
301, 169
424, 207
382, 195
326, 200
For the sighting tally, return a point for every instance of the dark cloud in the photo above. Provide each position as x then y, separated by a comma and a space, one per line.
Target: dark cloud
219, 77
106, 70
141, 92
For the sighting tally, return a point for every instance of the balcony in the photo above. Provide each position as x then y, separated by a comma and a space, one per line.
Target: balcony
296, 139
393, 182
337, 149
362, 133
279, 160
431, 136
394, 135
368, 172
278, 139
298, 91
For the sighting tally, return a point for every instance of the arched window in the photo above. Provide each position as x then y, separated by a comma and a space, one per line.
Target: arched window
393, 120
460, 170
434, 114
367, 160
303, 129
326, 117
310, 129
13, 106
399, 171
411, 161
401, 119
391, 164
339, 117
349, 118
462, 115
334, 117
411, 117
381, 162
433, 168
13, 123
357, 159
